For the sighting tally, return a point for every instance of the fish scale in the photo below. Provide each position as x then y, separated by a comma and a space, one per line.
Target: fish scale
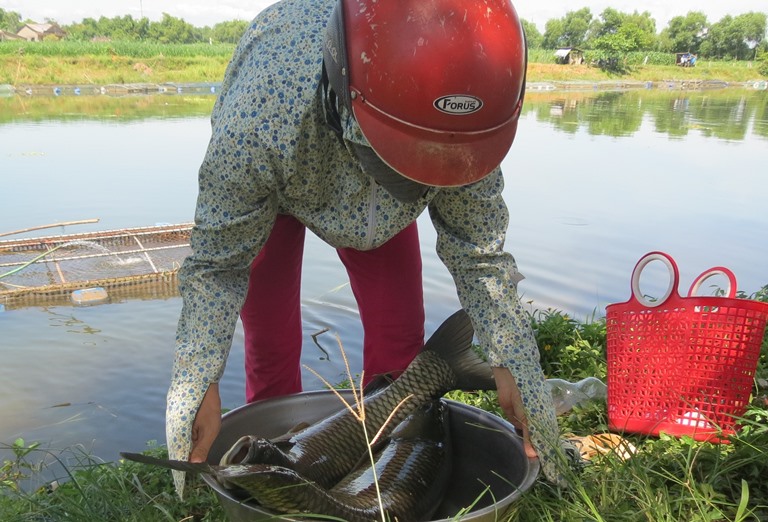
328, 450
316, 452
412, 472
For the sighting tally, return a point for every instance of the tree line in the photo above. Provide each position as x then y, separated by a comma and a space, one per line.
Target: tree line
740, 37
169, 30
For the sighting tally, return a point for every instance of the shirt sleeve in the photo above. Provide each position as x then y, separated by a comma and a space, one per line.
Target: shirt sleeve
236, 208
471, 224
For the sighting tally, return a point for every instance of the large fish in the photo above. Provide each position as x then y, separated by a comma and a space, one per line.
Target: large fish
328, 450
412, 471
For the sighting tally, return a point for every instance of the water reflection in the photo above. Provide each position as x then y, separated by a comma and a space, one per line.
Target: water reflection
729, 114
20, 109
725, 114
71, 324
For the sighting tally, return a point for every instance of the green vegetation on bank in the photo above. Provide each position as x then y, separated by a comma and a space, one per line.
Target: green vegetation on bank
614, 33
665, 480
124, 48
102, 63
130, 50
610, 32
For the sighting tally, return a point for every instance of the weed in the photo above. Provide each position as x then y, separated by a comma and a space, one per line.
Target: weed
569, 350
80, 487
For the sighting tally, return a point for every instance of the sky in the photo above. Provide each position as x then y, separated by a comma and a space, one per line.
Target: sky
209, 12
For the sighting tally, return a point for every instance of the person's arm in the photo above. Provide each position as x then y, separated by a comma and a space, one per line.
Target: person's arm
471, 223
236, 208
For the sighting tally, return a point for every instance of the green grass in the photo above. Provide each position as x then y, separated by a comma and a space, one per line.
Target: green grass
99, 63
127, 49
81, 488
68, 63
667, 479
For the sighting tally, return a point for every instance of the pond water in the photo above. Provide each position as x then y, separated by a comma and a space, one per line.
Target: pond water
594, 181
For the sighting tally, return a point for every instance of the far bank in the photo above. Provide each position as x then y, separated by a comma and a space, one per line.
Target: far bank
192, 66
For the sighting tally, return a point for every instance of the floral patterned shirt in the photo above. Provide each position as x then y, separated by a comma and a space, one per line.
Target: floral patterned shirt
272, 152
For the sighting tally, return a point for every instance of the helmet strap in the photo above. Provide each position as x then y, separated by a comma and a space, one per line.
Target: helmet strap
330, 105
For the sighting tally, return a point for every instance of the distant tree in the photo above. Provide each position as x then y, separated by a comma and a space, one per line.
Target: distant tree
735, 38
762, 66
685, 33
646, 24
228, 32
553, 34
125, 28
141, 28
174, 30
532, 34
10, 21
754, 27
627, 39
610, 50
86, 29
117, 28
608, 23
569, 31
637, 30
613, 33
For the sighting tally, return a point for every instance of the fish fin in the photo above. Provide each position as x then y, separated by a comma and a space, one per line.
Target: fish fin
272, 452
453, 342
300, 427
427, 422
378, 383
178, 465
286, 437
364, 459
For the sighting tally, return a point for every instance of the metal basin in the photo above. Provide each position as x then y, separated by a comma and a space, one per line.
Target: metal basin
487, 452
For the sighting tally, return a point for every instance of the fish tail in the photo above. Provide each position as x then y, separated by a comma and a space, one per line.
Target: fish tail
452, 341
178, 465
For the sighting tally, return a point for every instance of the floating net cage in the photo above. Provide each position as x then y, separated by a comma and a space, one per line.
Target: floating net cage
137, 262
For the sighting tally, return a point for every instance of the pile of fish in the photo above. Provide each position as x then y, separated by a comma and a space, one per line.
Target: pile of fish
325, 469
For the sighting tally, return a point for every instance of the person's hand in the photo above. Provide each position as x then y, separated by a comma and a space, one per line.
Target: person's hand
207, 424
512, 404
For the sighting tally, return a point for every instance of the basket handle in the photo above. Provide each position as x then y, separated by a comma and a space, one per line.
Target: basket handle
674, 277
715, 271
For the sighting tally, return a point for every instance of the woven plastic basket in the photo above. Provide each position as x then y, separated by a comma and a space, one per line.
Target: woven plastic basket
682, 365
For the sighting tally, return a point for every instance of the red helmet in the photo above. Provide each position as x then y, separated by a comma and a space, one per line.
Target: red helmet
436, 86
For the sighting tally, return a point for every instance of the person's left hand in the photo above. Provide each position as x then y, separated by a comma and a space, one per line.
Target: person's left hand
512, 404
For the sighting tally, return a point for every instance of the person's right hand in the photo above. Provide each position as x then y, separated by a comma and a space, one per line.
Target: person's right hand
207, 424
512, 404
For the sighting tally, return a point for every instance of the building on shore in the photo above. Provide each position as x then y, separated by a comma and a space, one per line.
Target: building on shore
39, 32
569, 56
5, 36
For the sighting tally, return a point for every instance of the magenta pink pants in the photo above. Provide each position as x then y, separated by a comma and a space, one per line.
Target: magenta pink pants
385, 281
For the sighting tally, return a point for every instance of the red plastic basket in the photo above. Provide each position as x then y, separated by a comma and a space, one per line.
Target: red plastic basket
682, 365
